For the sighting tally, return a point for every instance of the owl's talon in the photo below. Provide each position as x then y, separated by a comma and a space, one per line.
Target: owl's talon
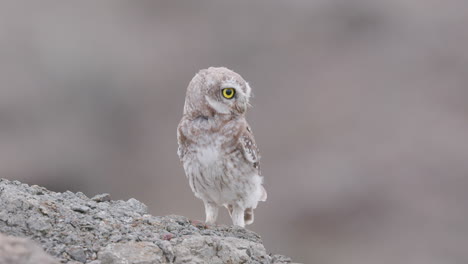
197, 224
210, 226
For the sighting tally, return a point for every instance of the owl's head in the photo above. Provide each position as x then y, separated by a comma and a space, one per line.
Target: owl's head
217, 91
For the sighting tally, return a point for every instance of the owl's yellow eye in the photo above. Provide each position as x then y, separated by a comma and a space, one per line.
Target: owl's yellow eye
228, 93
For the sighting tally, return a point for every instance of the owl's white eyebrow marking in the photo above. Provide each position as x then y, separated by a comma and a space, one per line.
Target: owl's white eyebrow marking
219, 107
230, 83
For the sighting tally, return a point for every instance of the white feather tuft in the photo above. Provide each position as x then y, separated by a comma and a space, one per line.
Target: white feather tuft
217, 106
249, 90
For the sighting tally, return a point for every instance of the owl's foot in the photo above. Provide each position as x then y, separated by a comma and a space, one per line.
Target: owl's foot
210, 226
198, 224
202, 225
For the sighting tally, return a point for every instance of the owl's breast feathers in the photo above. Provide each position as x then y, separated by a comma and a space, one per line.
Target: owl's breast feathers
235, 135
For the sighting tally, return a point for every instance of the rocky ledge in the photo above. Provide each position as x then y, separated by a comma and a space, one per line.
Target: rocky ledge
76, 229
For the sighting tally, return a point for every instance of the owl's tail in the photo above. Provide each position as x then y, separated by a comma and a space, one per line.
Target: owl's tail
264, 195
249, 212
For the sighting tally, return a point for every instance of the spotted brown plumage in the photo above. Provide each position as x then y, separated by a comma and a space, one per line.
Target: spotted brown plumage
250, 149
217, 147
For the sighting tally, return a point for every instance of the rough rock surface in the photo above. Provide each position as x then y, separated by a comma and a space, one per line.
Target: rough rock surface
77, 229
14, 250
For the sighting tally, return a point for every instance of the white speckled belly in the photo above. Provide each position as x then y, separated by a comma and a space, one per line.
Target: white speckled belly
221, 176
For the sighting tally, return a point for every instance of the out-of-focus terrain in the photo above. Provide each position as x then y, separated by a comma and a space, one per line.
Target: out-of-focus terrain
360, 112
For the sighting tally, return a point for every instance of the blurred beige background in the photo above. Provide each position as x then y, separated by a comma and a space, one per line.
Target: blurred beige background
360, 112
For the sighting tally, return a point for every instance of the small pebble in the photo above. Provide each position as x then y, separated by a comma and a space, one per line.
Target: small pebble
80, 208
104, 197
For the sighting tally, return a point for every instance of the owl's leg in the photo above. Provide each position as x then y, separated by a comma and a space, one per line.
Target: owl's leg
211, 211
237, 216
229, 207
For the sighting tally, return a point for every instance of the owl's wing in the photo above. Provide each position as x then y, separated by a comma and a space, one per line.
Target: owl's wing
181, 142
249, 148
252, 154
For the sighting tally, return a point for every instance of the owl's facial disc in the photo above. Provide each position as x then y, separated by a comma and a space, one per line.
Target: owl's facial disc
229, 98
233, 95
218, 106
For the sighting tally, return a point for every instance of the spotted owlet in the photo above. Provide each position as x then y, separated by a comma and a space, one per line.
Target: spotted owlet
217, 147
